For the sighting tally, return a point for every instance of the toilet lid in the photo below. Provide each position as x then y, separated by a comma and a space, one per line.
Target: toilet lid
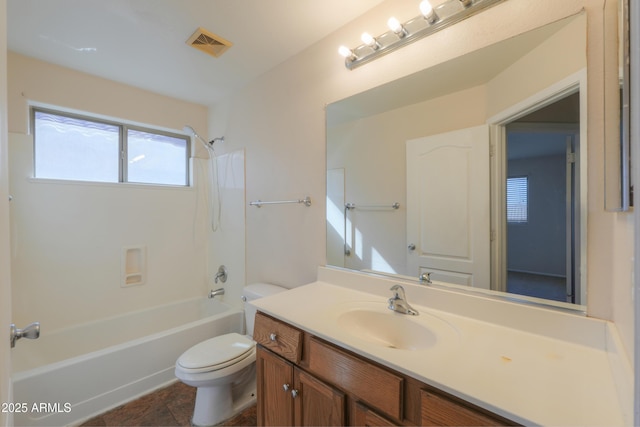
217, 353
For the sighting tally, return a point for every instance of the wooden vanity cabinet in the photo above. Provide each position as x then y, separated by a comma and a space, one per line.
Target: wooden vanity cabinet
289, 396
303, 380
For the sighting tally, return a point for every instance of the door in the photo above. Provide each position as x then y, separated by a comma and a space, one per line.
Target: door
274, 385
316, 403
5, 284
543, 211
448, 207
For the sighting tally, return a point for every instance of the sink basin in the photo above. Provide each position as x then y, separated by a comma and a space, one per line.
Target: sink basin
383, 327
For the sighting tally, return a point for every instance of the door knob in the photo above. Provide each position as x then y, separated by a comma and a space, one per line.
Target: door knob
32, 331
425, 278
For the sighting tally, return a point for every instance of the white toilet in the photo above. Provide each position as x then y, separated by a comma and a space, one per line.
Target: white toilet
223, 368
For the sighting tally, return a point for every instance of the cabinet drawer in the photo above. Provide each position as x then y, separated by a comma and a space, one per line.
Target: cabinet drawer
363, 416
278, 337
438, 410
375, 386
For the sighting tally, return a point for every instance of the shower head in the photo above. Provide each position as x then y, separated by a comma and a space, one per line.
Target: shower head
189, 129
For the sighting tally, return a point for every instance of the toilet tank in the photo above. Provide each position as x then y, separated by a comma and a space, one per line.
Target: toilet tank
252, 292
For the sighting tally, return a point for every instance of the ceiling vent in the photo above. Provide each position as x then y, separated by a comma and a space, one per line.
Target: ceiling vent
208, 42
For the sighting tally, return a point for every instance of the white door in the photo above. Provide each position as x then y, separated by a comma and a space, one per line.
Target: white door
448, 207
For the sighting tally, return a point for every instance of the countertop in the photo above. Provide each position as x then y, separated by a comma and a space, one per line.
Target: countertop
564, 377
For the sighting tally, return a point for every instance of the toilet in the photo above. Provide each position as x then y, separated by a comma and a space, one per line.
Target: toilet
223, 368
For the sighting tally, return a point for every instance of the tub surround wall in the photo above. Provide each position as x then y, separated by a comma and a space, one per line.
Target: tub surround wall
286, 138
67, 238
226, 244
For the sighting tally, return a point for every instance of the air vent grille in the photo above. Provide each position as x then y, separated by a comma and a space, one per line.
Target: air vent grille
208, 42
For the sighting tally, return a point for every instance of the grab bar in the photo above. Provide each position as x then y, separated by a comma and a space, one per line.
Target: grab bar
350, 206
259, 203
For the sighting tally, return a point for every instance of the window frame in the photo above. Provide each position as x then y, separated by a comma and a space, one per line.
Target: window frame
123, 128
526, 219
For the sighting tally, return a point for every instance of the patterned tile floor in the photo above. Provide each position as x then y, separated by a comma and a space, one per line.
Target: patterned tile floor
170, 406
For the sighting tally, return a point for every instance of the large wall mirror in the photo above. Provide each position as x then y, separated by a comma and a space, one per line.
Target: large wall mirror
472, 171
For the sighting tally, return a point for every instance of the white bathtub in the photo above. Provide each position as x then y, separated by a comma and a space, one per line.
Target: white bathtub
78, 372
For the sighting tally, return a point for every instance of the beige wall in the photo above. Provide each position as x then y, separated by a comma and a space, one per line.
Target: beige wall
31, 80
279, 120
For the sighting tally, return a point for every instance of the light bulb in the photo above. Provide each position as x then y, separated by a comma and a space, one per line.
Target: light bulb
345, 51
395, 26
427, 11
368, 39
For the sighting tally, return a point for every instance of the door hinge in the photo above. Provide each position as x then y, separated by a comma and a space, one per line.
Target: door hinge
492, 150
571, 158
492, 235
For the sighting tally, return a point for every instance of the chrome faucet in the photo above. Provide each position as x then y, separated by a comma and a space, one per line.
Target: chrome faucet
398, 302
216, 292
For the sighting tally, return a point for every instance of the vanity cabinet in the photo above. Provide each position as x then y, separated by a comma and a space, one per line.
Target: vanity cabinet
289, 396
304, 380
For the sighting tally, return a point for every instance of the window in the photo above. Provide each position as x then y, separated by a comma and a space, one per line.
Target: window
73, 147
517, 199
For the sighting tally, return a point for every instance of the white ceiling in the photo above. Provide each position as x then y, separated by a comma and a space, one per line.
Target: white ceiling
142, 42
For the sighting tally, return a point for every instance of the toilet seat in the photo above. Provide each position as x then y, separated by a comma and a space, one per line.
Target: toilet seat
216, 353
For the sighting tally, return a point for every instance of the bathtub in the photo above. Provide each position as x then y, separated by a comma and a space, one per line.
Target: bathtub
72, 374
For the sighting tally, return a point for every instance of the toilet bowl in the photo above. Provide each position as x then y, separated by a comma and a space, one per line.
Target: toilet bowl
223, 368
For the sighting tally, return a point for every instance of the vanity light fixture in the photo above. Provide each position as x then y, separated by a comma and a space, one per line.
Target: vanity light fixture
430, 20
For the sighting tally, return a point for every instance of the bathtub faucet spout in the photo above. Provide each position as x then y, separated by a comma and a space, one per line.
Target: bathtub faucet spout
216, 292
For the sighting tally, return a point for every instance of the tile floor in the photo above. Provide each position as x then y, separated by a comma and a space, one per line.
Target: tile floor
170, 406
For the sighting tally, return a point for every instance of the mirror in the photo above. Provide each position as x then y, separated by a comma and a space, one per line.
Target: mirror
395, 207
617, 154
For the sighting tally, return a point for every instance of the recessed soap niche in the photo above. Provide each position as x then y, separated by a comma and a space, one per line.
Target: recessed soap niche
133, 266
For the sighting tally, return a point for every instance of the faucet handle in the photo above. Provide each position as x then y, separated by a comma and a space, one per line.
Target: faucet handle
221, 274
398, 291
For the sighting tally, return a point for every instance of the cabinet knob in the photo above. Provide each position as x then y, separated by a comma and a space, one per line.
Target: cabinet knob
273, 336
285, 387
411, 247
294, 393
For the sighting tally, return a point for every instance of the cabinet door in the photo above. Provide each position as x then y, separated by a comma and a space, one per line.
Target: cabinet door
274, 384
316, 403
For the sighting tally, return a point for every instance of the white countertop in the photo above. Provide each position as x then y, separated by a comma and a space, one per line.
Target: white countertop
561, 378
